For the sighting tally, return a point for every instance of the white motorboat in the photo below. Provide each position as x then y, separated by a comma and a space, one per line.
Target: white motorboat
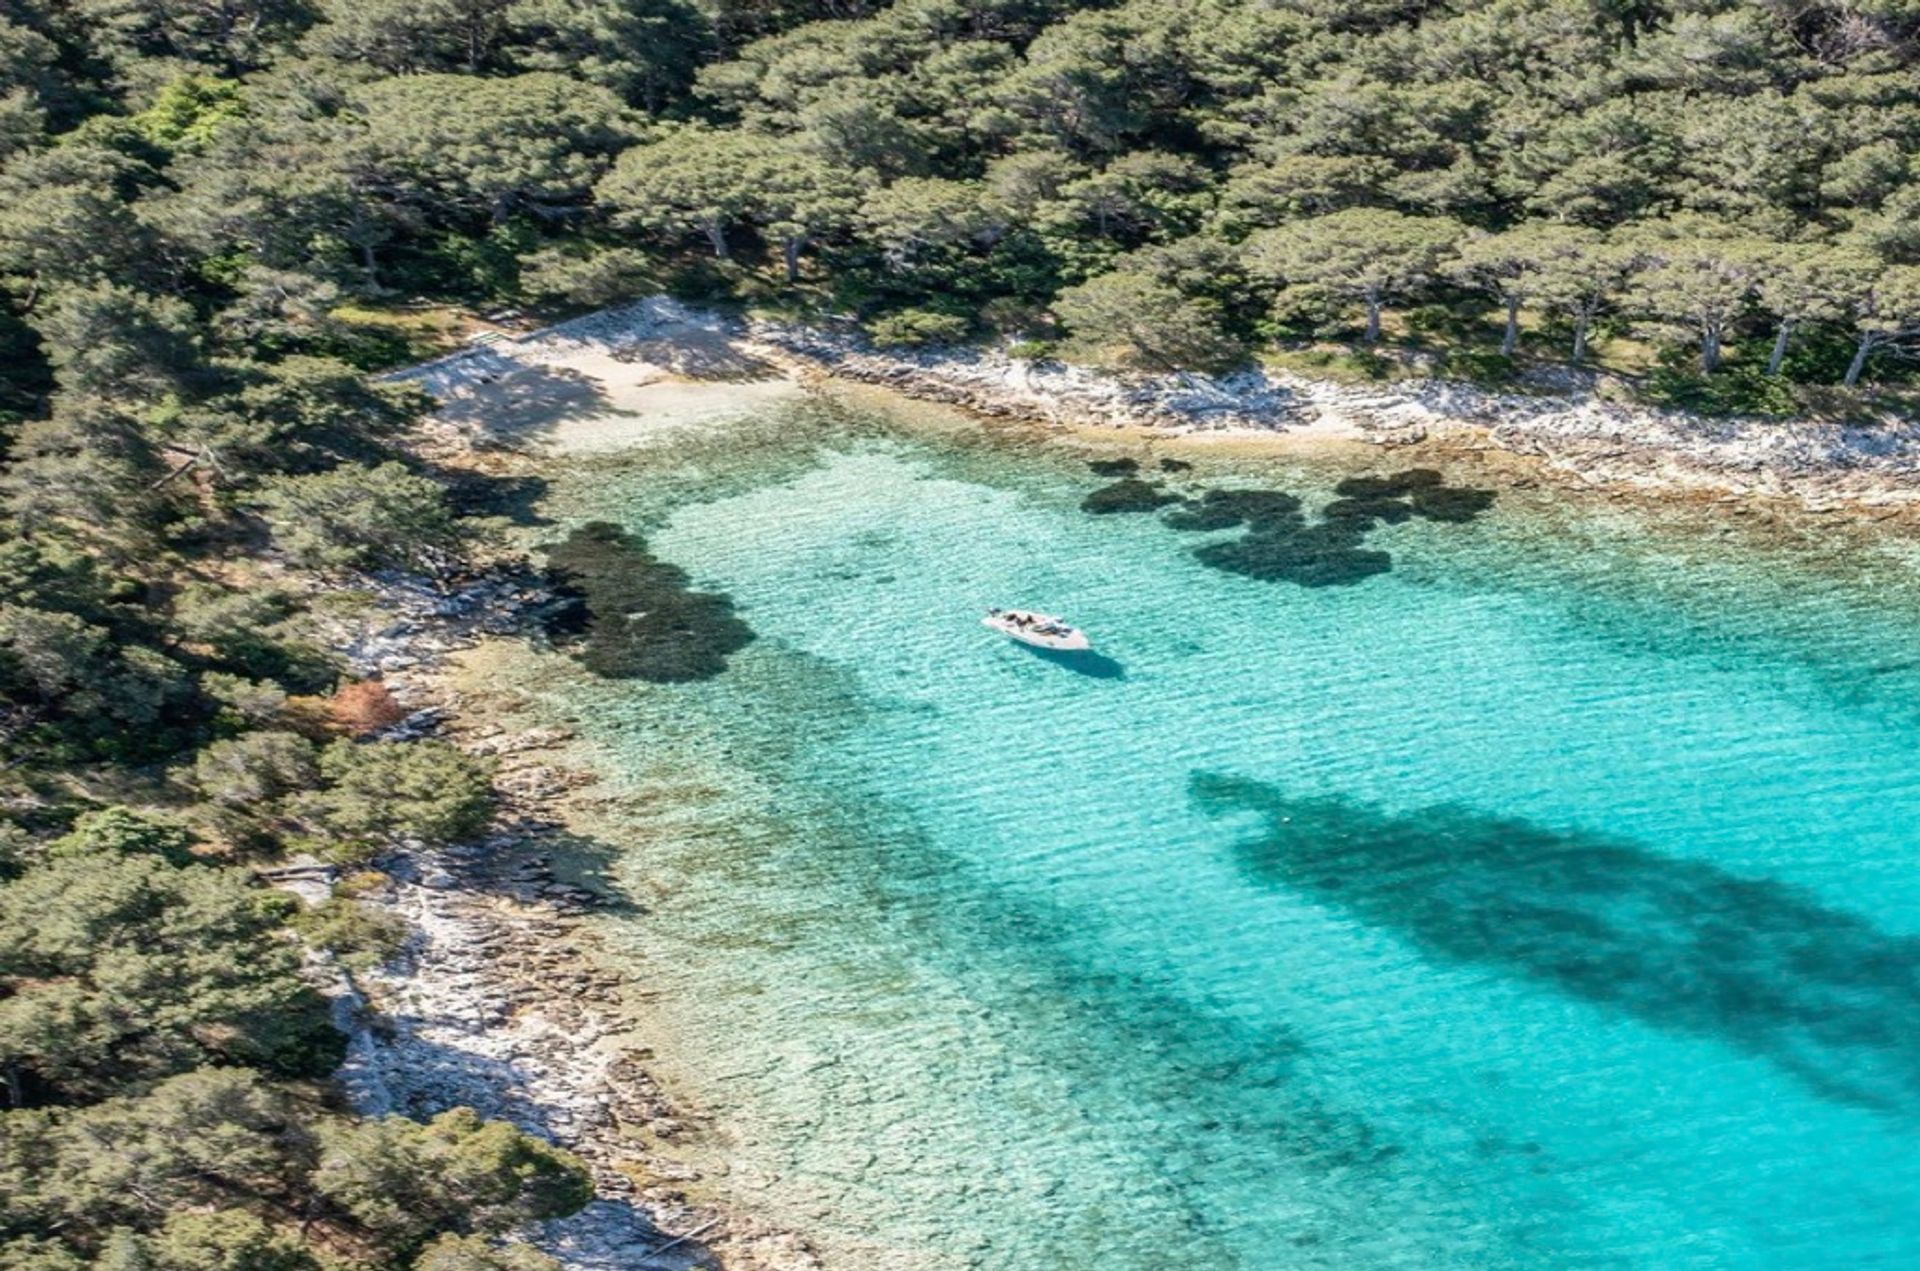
1041, 630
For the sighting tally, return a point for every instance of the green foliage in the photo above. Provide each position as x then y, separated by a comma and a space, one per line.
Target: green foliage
113, 832
247, 781
912, 327
1742, 389
492, 146
358, 935
586, 275
644, 50
355, 517
66, 219
225, 1240
695, 180
299, 413
190, 112
198, 1139
1697, 274
1360, 255
474, 1253
122, 966
83, 687
1131, 319
108, 340
403, 1181
220, 1170
377, 792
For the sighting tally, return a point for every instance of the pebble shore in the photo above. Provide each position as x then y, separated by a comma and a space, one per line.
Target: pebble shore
500, 1000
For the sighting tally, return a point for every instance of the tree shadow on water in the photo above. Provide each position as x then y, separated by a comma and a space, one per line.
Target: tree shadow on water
1679, 944
639, 618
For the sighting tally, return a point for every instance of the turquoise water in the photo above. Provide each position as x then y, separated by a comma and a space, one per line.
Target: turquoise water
1548, 900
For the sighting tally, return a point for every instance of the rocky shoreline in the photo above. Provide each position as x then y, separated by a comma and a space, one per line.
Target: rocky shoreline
1571, 429
500, 1000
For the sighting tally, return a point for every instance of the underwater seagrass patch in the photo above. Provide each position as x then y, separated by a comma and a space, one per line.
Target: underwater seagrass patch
1280, 544
1129, 494
1221, 509
1324, 555
635, 616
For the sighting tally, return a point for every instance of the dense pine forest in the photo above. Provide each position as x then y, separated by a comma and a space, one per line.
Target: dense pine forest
217, 216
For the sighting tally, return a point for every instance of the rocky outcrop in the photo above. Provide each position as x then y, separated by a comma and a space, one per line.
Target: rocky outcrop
499, 1003
992, 383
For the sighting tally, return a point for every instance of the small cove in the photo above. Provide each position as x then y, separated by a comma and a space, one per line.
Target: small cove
1543, 898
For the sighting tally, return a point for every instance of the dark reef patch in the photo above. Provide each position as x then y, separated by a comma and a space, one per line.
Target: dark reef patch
1129, 494
1392, 486
1680, 944
1218, 509
1366, 511
1454, 504
637, 616
1325, 555
1175, 465
1113, 467
1280, 544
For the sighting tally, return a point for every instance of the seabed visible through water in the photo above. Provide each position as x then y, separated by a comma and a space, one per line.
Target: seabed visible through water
1429, 873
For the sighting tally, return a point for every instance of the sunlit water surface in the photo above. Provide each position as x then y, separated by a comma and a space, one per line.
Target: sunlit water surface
1551, 899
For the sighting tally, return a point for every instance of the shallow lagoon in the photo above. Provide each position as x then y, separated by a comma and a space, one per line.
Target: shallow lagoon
1548, 898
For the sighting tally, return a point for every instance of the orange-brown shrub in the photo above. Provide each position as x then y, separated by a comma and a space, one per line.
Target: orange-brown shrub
363, 707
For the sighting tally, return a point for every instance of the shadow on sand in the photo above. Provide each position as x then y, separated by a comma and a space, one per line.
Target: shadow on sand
528, 400
1679, 944
1095, 666
703, 356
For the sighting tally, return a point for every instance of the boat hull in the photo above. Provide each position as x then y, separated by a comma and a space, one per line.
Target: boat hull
1070, 640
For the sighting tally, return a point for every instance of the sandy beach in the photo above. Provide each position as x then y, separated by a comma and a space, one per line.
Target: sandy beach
601, 382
